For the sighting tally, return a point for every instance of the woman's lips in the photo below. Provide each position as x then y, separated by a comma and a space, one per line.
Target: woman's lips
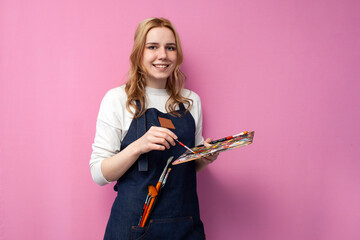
161, 67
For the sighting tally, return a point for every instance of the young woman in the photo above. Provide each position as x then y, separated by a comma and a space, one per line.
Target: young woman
132, 144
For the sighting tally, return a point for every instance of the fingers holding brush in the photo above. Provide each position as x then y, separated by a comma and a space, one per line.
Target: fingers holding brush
156, 138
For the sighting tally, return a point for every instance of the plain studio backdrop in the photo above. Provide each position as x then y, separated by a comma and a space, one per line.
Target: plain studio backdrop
287, 69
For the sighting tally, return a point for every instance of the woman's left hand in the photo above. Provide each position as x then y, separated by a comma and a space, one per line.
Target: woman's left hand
203, 162
212, 157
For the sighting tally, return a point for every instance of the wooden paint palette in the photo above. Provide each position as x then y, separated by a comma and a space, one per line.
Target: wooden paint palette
222, 146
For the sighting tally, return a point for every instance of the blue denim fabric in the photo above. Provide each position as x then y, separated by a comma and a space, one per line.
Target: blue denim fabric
176, 212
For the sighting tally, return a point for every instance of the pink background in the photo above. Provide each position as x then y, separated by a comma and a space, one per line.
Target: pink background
287, 69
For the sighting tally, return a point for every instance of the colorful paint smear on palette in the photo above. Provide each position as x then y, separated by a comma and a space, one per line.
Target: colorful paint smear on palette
222, 146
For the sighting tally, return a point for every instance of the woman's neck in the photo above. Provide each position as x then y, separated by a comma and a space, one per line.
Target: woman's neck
156, 83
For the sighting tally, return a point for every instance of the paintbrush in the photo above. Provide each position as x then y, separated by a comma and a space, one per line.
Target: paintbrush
225, 138
178, 142
150, 200
184, 146
154, 200
166, 176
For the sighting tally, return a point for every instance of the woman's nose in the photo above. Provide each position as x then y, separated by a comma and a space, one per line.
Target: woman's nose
162, 53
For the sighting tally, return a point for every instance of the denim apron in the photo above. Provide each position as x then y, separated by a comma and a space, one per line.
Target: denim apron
176, 213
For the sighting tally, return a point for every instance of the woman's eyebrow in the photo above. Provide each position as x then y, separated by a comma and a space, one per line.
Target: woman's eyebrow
155, 43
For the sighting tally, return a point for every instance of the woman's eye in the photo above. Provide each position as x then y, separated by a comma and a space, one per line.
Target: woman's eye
152, 47
171, 48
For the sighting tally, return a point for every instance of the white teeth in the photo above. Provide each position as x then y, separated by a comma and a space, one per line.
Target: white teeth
161, 66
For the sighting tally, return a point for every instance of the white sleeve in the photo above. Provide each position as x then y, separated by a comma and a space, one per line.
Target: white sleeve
199, 139
107, 137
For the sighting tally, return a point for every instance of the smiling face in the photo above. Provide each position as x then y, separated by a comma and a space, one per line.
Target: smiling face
159, 56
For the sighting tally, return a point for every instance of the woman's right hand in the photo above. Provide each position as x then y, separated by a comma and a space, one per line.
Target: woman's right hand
156, 138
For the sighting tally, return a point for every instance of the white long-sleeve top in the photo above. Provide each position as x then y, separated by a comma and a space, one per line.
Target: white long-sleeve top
114, 120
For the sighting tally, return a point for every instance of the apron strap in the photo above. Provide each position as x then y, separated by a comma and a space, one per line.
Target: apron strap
141, 130
182, 108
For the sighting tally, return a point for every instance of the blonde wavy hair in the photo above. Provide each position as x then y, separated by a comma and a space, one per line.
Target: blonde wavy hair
135, 86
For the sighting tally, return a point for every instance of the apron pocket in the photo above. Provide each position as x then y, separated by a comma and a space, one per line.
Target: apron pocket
171, 228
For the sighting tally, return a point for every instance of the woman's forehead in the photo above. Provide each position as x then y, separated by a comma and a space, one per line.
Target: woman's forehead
160, 35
